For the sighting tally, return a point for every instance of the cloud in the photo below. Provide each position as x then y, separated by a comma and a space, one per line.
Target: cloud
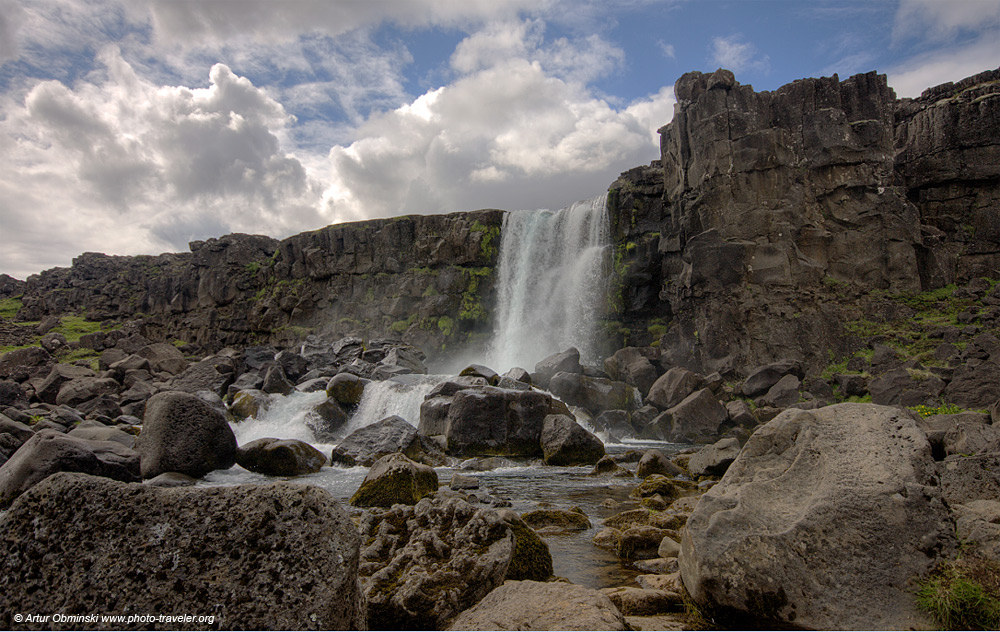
186, 22
119, 164
667, 49
941, 66
942, 21
736, 55
508, 135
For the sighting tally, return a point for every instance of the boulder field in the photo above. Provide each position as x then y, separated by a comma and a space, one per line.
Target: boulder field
804, 289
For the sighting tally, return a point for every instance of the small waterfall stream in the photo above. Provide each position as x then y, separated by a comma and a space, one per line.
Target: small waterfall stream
550, 284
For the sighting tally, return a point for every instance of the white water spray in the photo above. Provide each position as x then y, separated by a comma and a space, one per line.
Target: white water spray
400, 395
550, 284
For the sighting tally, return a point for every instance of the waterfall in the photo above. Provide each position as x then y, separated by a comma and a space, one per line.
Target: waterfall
550, 283
400, 395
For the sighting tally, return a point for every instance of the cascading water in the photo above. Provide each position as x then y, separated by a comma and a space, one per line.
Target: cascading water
550, 283
400, 395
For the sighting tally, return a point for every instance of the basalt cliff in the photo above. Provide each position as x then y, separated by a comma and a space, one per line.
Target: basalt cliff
772, 224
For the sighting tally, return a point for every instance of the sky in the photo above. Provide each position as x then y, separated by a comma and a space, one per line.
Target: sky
137, 126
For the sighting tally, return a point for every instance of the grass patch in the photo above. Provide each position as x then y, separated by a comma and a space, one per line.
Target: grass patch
962, 595
9, 307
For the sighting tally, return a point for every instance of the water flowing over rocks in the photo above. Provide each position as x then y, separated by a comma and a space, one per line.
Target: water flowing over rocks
279, 556
822, 521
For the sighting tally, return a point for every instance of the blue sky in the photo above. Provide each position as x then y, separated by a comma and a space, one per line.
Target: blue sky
136, 127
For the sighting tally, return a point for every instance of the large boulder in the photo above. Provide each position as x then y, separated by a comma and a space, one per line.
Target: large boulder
761, 379
821, 522
262, 557
48, 452
531, 605
48, 389
213, 374
487, 420
346, 389
565, 442
715, 459
565, 361
164, 357
673, 386
596, 394
366, 445
83, 389
395, 479
697, 418
426, 563
280, 457
633, 365
182, 433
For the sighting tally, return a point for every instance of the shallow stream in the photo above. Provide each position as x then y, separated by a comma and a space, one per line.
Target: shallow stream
527, 486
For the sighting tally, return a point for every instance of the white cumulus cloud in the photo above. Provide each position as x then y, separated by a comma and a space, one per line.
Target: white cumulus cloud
118, 164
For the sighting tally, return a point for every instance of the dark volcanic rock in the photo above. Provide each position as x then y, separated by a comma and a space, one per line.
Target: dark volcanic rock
565, 442
593, 393
487, 420
366, 445
280, 457
425, 564
868, 533
182, 433
48, 452
262, 557
395, 479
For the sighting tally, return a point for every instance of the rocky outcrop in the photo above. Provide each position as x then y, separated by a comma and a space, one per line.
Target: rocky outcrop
771, 215
425, 564
822, 522
264, 557
48, 452
426, 278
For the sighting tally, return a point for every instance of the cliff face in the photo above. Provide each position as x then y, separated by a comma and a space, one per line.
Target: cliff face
770, 224
422, 278
779, 213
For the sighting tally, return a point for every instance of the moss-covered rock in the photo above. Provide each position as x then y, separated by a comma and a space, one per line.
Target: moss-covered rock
395, 479
346, 389
531, 558
656, 484
248, 403
560, 518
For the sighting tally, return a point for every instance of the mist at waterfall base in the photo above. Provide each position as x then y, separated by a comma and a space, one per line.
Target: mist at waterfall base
551, 275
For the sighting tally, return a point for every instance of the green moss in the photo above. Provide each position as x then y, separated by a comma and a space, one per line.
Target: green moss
472, 308
962, 595
446, 325
395, 487
531, 558
401, 326
488, 243
253, 267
